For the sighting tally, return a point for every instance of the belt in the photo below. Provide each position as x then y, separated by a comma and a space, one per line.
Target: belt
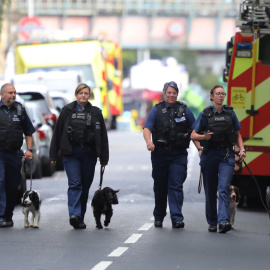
11, 151
84, 145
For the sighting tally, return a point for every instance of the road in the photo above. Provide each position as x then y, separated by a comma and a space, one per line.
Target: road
131, 242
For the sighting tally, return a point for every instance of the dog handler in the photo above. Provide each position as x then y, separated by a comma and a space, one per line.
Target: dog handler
217, 129
170, 123
14, 122
81, 136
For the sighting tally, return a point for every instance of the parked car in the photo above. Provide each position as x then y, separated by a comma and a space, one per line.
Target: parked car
39, 95
44, 135
60, 99
34, 166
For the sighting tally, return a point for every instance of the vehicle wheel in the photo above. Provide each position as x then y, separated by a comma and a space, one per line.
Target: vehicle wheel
241, 202
254, 202
48, 169
113, 122
38, 172
22, 187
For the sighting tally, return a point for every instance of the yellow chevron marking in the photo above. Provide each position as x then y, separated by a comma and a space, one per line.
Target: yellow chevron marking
264, 142
241, 65
251, 156
264, 134
262, 94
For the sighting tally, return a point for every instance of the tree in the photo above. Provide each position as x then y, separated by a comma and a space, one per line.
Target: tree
3, 5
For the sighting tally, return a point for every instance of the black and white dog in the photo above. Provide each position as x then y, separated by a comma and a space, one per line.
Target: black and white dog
31, 202
102, 204
234, 200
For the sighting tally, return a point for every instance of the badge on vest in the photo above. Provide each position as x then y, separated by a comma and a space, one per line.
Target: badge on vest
164, 110
219, 119
16, 118
178, 120
81, 116
97, 125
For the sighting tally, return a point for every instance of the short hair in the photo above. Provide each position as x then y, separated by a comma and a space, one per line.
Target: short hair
3, 87
215, 87
80, 87
170, 84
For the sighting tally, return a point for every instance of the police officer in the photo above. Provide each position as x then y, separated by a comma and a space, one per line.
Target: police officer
81, 136
169, 123
14, 122
217, 129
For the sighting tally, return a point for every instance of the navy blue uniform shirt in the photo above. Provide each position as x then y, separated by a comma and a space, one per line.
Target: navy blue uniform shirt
27, 125
201, 123
150, 122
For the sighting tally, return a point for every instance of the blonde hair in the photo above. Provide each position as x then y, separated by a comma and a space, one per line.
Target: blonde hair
80, 87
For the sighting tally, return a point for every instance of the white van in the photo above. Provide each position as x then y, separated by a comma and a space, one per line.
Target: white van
63, 81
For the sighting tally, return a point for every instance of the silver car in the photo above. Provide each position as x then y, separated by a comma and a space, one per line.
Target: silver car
45, 133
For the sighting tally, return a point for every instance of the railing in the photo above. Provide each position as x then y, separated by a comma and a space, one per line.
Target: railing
228, 8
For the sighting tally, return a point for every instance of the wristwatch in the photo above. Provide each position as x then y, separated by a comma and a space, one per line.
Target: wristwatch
29, 149
243, 150
200, 149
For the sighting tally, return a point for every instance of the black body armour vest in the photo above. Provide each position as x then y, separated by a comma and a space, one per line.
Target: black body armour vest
80, 129
11, 132
170, 129
222, 126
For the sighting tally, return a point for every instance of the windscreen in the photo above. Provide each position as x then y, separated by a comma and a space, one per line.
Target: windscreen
85, 70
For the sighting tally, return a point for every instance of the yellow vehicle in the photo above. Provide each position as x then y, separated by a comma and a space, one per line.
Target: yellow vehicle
113, 60
86, 56
248, 75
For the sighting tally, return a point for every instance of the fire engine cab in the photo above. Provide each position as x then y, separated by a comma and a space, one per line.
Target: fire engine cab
248, 75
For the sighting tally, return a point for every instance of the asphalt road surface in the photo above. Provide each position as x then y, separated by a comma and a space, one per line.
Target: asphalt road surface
131, 242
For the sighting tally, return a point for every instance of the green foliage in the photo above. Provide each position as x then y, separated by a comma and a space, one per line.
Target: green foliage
129, 58
208, 80
3, 5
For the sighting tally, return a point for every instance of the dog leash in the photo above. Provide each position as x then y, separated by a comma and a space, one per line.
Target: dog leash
31, 174
200, 182
256, 183
102, 169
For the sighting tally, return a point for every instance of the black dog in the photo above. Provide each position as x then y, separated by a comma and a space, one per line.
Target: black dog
102, 204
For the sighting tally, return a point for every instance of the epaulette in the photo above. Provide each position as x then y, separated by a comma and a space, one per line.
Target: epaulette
19, 103
228, 107
161, 102
181, 103
208, 107
208, 111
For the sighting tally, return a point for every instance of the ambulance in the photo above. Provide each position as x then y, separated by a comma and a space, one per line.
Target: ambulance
248, 75
85, 56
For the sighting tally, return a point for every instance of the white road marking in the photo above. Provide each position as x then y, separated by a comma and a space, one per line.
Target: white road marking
133, 238
146, 227
102, 265
118, 252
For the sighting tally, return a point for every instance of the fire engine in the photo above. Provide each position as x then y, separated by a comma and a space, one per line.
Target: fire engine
248, 75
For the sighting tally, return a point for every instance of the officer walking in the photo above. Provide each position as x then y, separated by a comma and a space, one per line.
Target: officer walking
14, 122
81, 136
217, 129
169, 123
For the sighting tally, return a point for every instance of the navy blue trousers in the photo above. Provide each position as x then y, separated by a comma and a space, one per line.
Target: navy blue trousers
80, 169
10, 179
169, 173
217, 176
